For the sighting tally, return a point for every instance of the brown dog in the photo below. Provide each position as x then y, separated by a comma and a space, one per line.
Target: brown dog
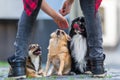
58, 53
33, 62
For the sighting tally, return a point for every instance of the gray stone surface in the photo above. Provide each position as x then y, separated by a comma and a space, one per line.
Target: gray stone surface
112, 74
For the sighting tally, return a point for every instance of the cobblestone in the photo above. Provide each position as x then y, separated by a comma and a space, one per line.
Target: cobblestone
112, 74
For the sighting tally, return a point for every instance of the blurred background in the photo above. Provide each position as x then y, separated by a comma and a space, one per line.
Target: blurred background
11, 10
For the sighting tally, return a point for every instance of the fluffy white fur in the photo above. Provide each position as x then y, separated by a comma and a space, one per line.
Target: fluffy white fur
78, 50
35, 60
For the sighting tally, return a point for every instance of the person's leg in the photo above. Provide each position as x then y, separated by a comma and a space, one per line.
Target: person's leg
17, 61
94, 35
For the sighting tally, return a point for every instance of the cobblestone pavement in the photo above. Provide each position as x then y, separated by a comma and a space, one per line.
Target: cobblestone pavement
112, 65
112, 74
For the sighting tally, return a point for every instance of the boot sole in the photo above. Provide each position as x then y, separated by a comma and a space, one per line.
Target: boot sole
100, 75
19, 77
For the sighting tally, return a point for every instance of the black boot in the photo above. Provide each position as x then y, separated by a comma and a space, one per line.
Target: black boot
88, 68
17, 69
97, 68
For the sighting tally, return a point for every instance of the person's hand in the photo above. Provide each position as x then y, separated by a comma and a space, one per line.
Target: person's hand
58, 18
66, 7
61, 21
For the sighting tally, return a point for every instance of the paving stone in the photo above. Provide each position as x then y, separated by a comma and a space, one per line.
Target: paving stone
112, 74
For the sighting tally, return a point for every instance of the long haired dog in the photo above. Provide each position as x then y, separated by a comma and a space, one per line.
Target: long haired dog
78, 45
58, 53
33, 62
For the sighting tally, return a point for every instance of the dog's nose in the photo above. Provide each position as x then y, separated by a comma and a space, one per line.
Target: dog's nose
58, 32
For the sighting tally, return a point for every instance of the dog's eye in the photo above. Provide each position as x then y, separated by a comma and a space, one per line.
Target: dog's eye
63, 33
33, 47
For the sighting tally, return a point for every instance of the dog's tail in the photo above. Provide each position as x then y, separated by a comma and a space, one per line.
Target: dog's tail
78, 48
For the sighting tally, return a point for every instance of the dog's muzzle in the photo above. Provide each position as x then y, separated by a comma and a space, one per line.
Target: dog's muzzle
58, 32
37, 52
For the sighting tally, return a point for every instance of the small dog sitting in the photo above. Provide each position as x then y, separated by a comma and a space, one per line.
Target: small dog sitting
33, 62
78, 45
58, 54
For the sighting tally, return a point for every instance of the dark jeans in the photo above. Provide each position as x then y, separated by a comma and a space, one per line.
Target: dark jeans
24, 31
94, 31
93, 28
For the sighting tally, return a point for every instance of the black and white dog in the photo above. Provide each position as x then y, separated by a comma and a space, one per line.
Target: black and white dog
78, 45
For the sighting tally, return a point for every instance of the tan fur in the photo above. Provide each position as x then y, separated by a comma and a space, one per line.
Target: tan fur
30, 69
58, 54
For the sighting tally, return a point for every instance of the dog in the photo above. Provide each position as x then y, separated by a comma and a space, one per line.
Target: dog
33, 62
78, 45
58, 54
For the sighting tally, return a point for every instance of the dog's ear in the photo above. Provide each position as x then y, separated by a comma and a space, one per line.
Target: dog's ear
30, 47
53, 35
68, 37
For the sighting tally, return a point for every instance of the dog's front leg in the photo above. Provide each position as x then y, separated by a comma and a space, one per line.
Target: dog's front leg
61, 67
53, 70
47, 66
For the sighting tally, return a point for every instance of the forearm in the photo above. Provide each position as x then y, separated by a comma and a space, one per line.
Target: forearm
70, 1
58, 18
47, 9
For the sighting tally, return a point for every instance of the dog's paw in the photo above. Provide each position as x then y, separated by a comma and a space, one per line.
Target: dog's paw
41, 72
44, 74
60, 73
38, 75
